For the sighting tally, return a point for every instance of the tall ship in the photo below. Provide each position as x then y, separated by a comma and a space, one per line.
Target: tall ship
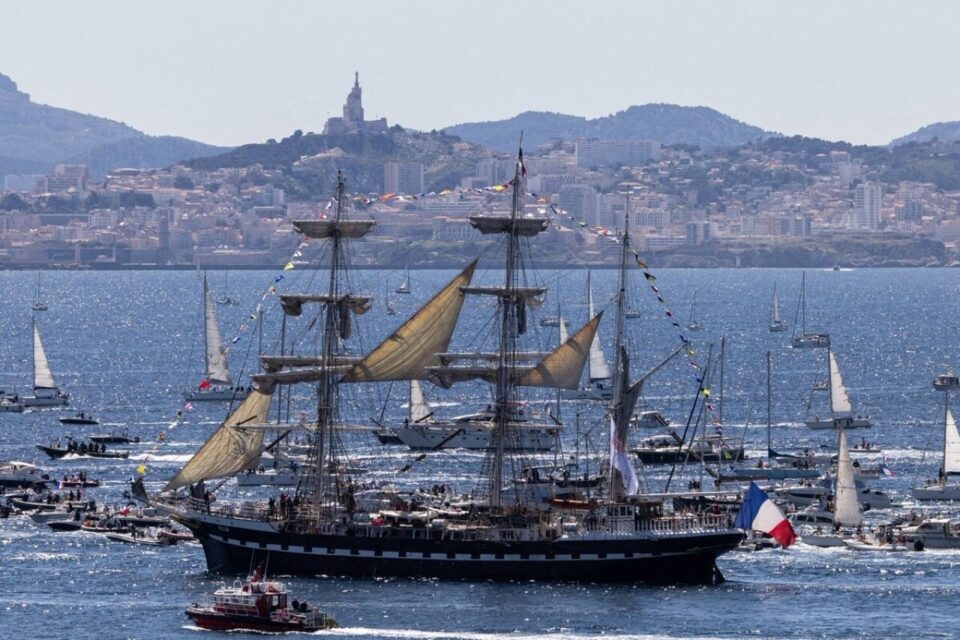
327, 528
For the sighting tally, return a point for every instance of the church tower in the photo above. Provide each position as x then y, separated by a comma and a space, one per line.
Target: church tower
353, 108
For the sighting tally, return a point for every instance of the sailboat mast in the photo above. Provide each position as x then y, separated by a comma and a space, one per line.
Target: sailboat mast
620, 421
803, 303
510, 308
946, 412
830, 378
769, 407
206, 339
327, 387
723, 344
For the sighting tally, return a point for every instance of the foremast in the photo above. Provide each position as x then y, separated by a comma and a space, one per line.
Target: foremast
622, 477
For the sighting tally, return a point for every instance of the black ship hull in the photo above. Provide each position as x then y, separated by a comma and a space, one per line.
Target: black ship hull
688, 558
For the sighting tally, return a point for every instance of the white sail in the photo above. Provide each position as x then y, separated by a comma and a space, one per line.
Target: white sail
776, 308
217, 370
419, 409
563, 330
846, 511
951, 448
597, 366
42, 377
839, 401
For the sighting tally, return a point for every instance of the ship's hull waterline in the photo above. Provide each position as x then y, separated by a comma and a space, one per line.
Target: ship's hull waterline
686, 559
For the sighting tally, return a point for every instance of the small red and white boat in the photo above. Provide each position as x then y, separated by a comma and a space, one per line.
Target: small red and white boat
257, 605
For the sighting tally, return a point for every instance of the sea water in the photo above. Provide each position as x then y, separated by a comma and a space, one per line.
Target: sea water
126, 344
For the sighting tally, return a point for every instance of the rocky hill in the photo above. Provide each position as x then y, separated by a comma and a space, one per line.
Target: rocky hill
942, 131
669, 124
35, 137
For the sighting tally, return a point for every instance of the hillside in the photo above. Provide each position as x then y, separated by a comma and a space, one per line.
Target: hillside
310, 162
942, 131
667, 123
35, 137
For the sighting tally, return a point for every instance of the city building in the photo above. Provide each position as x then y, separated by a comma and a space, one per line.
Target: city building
866, 206
593, 154
403, 177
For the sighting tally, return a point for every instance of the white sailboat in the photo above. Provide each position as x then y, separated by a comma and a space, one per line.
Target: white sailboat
805, 340
217, 384
389, 307
846, 510
422, 432
694, 324
777, 324
405, 285
940, 489
840, 407
38, 304
598, 371
45, 390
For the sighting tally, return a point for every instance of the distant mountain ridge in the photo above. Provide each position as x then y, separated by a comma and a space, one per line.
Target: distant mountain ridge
942, 131
35, 137
667, 123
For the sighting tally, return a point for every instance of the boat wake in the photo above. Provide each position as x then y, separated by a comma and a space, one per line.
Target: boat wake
552, 634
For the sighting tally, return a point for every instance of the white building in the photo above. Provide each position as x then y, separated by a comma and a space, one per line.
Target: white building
866, 206
612, 153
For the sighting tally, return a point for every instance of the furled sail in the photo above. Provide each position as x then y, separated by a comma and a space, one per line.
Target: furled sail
504, 224
272, 364
847, 509
42, 376
230, 449
217, 370
951, 446
598, 363
839, 401
327, 228
292, 303
406, 353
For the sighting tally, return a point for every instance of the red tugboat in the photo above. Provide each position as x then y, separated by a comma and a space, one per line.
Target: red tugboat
257, 605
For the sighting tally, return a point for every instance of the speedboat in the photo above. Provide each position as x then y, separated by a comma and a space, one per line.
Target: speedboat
79, 418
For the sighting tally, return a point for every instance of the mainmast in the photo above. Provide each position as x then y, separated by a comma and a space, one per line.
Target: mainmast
326, 401
511, 323
620, 407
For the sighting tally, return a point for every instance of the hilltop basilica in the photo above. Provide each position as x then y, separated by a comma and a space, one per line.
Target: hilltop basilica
352, 120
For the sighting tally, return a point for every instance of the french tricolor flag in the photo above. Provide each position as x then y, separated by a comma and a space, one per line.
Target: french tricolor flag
761, 514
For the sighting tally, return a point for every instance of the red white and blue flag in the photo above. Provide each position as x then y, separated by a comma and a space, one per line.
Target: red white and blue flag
760, 513
620, 461
887, 471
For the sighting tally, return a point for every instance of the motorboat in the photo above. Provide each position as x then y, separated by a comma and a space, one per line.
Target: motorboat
22, 474
258, 605
79, 418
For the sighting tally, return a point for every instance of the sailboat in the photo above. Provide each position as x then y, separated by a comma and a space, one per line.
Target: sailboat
694, 324
622, 537
405, 285
846, 508
940, 489
805, 340
598, 372
217, 384
389, 307
226, 298
46, 392
422, 431
776, 323
840, 407
38, 305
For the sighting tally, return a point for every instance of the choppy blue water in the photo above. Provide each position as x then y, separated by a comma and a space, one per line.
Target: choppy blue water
126, 344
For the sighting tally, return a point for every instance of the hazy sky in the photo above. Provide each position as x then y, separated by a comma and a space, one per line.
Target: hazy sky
236, 71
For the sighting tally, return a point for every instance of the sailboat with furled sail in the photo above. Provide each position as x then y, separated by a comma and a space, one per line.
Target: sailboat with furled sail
217, 384
624, 537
